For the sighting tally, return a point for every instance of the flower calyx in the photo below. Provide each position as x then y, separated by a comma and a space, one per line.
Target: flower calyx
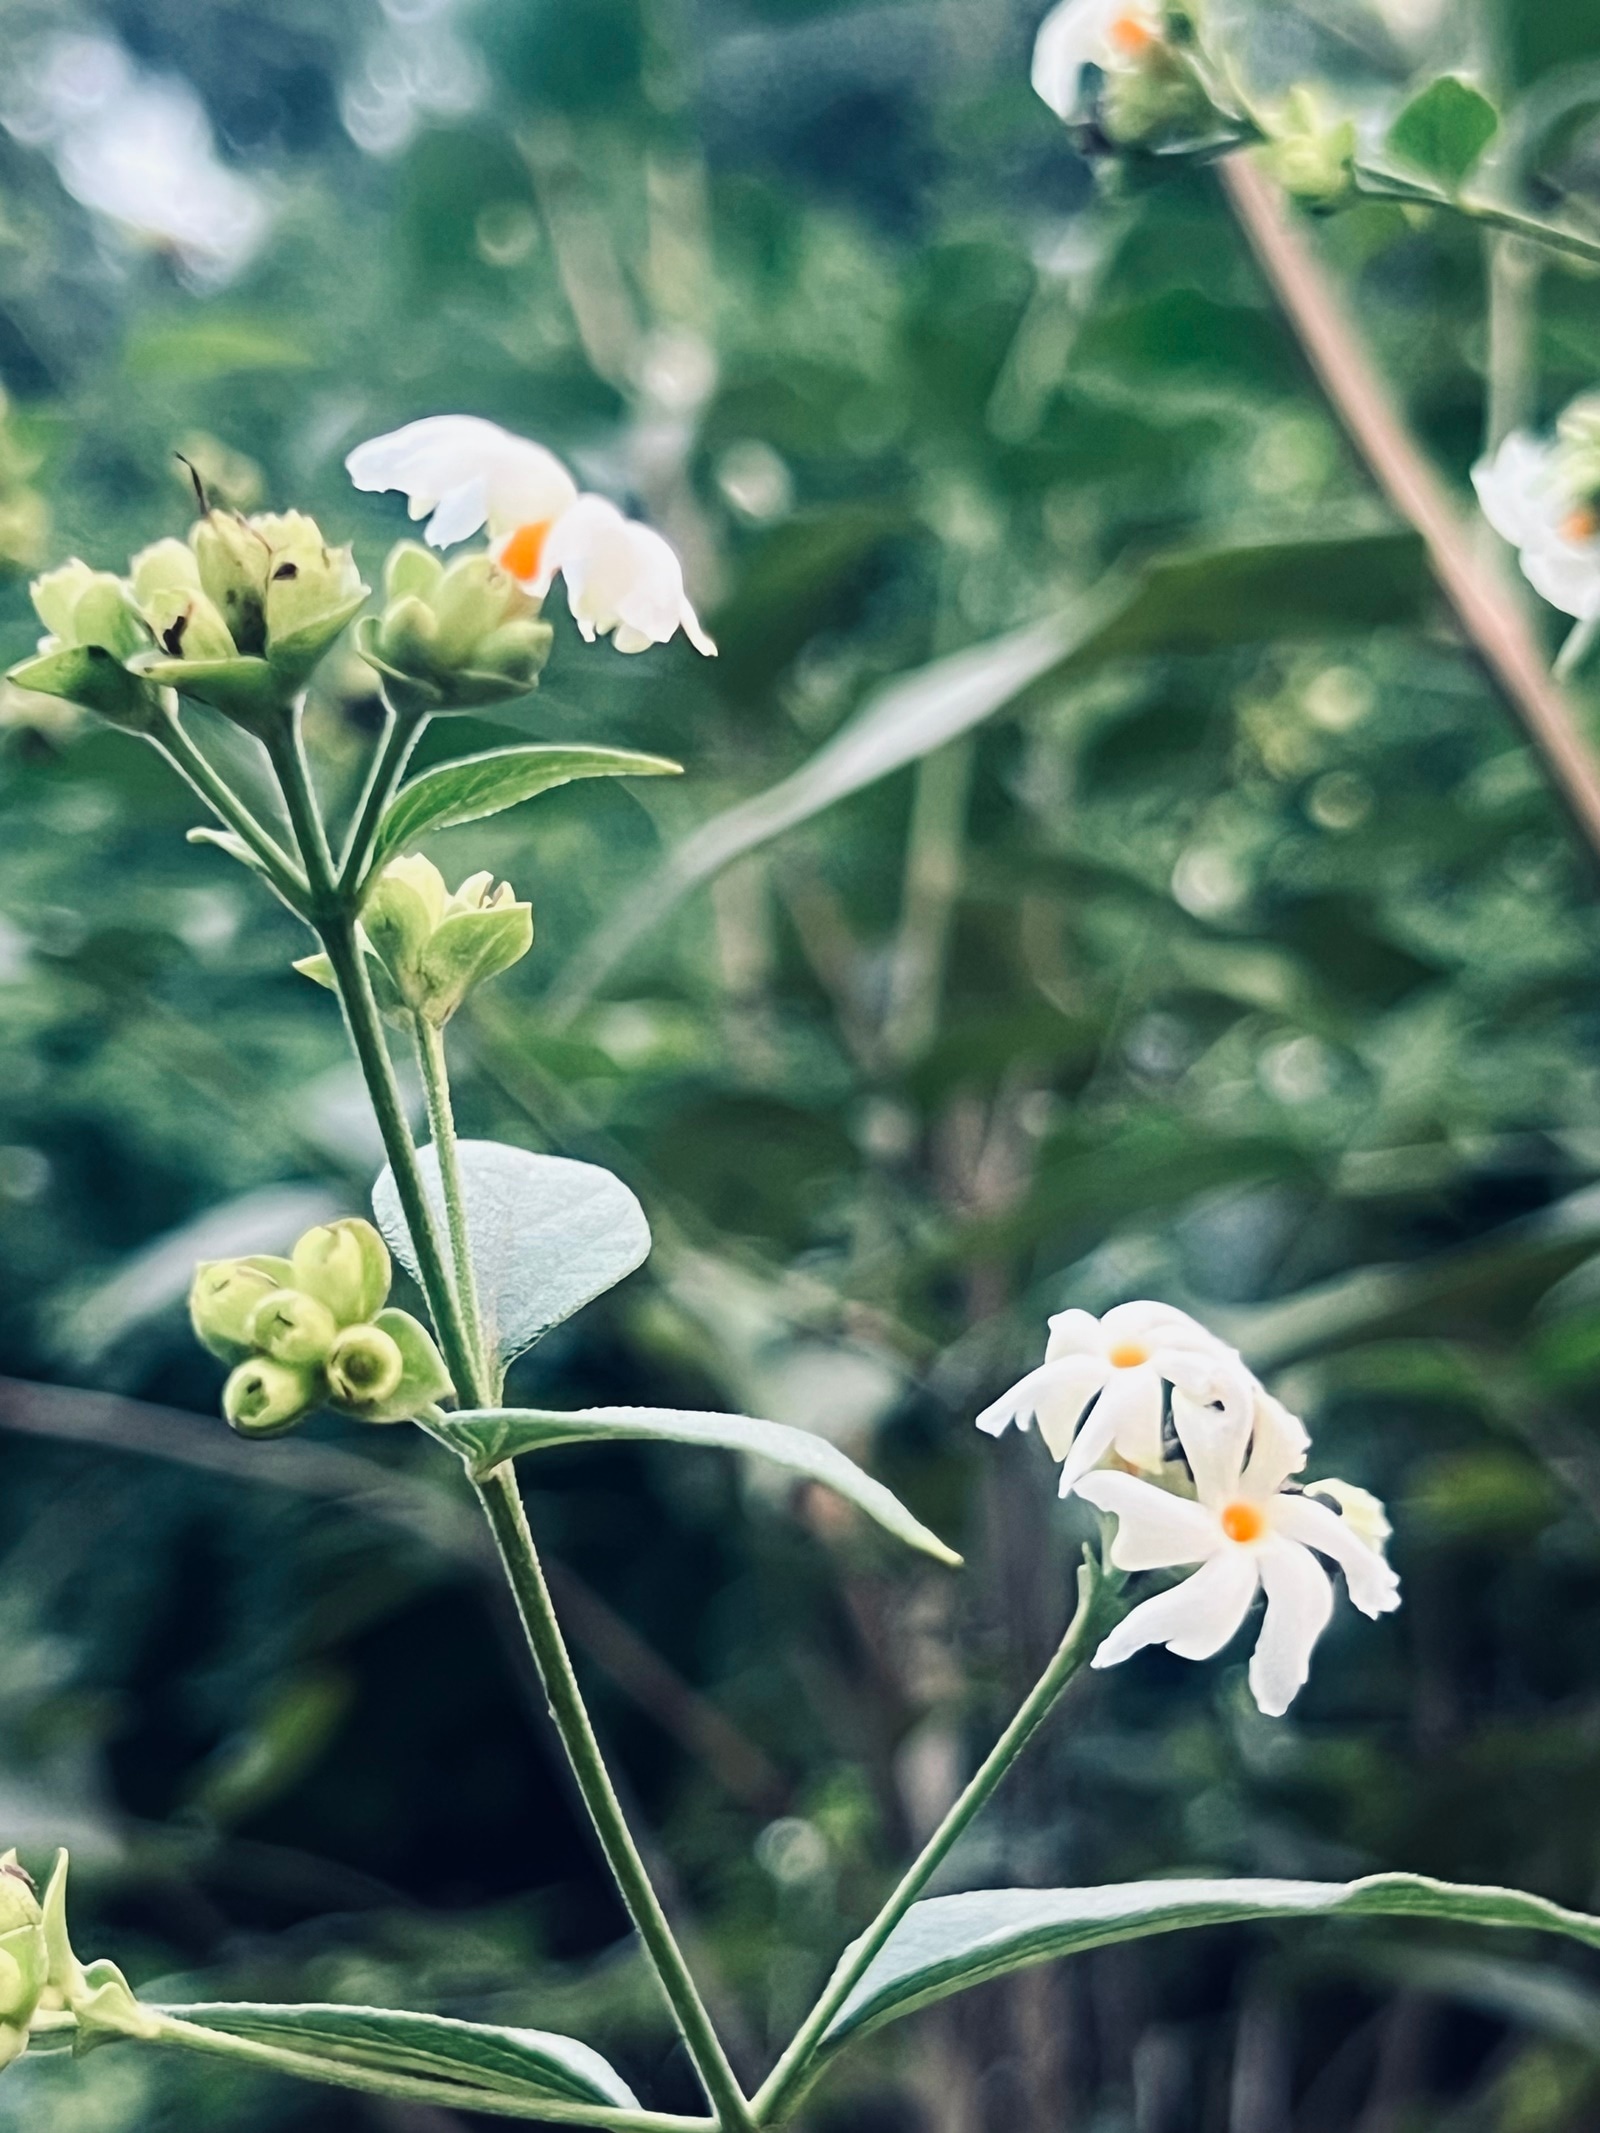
312, 1330
456, 636
244, 609
427, 946
93, 628
1310, 153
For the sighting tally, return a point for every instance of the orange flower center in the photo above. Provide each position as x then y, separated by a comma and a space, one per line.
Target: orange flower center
1128, 1355
1131, 35
520, 555
1243, 1522
1581, 525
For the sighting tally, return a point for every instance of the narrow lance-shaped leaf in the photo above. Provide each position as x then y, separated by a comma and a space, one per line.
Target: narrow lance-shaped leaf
527, 2063
951, 1942
547, 1235
482, 785
488, 1436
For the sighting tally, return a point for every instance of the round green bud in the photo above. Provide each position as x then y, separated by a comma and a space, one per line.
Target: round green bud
24, 1957
423, 1380
292, 1328
365, 1368
223, 1298
344, 1265
263, 1398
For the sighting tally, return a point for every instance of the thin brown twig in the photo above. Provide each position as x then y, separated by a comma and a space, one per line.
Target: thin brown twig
1488, 615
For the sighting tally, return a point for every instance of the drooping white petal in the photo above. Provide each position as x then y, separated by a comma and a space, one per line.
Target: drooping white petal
1074, 1333
1299, 1604
468, 473
1566, 573
1056, 1392
1374, 1587
1155, 1529
621, 577
1195, 1619
1126, 1418
1279, 1446
1214, 1440
1514, 488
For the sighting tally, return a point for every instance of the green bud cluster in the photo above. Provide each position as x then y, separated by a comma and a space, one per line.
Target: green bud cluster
24, 1957
454, 635
428, 947
1310, 153
236, 616
312, 1331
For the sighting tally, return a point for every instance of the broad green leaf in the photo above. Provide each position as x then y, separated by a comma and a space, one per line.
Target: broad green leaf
1199, 602
950, 1942
1445, 129
485, 784
548, 1235
488, 1436
528, 2063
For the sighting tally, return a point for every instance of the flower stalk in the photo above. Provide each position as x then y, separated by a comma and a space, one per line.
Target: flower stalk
1096, 1609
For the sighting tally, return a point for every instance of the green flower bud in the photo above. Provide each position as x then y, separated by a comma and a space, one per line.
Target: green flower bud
164, 567
187, 626
319, 969
223, 1299
363, 1379
312, 591
232, 559
1310, 154
365, 1368
24, 1957
80, 606
292, 1328
441, 638
264, 1398
344, 1265
435, 946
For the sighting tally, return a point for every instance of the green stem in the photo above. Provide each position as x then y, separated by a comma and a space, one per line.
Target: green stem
1389, 185
388, 762
187, 760
442, 1124
1578, 646
502, 1504
287, 749
366, 1035
170, 2028
783, 2085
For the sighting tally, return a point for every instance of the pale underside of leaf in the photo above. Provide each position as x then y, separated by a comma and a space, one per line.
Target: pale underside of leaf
489, 1436
949, 1943
508, 2062
548, 1235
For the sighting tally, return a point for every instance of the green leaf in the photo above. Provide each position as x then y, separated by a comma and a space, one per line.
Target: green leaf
526, 2063
488, 1436
1445, 129
945, 1945
485, 784
548, 1235
225, 841
1203, 601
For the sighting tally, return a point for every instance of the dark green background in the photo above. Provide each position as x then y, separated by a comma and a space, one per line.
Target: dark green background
1247, 960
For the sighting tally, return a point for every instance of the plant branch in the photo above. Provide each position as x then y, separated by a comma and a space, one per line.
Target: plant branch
400, 734
197, 773
502, 1504
1488, 615
442, 1124
1095, 1601
1416, 192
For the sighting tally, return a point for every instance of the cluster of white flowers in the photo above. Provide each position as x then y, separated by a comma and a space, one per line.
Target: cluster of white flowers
1161, 1424
464, 474
1542, 494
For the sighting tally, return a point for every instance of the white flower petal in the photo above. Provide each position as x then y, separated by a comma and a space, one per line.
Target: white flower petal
1074, 1333
1075, 35
1299, 1604
1195, 1619
1513, 488
1565, 574
1126, 1418
1374, 1587
459, 513
620, 577
1155, 1529
1279, 1445
1056, 1392
437, 460
1214, 1442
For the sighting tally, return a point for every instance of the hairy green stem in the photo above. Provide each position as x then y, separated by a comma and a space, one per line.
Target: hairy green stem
1095, 1605
400, 734
171, 2028
442, 1124
196, 772
502, 1504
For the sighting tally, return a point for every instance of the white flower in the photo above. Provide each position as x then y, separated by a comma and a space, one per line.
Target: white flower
469, 473
1113, 35
1099, 1388
1245, 1531
1540, 495
623, 579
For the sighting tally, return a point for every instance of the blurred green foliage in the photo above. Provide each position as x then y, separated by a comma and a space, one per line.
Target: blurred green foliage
1238, 955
